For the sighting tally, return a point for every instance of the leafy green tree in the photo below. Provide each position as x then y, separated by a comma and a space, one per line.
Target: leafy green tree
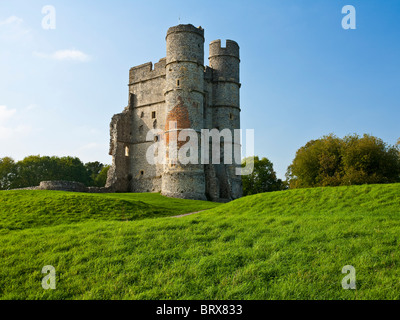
74, 170
7, 172
369, 160
318, 163
262, 179
94, 169
331, 161
33, 169
101, 179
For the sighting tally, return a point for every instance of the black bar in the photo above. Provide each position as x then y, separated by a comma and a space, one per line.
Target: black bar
200, 309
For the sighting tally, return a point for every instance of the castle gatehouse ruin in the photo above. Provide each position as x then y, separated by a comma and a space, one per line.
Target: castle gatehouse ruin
181, 90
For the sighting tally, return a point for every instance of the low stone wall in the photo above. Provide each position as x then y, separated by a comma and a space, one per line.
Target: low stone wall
71, 186
63, 186
99, 190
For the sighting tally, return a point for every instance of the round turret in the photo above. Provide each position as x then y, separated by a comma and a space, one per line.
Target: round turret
185, 43
224, 62
184, 98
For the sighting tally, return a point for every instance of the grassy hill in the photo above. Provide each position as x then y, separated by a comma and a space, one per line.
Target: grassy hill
32, 209
281, 245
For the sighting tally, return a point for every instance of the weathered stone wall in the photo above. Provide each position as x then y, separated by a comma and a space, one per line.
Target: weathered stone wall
118, 177
146, 88
72, 186
62, 186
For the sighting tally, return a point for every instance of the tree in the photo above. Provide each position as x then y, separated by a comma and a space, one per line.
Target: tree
318, 163
94, 168
262, 179
101, 179
7, 172
369, 160
33, 169
331, 161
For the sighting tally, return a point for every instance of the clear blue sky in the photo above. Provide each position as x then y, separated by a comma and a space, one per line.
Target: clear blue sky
302, 75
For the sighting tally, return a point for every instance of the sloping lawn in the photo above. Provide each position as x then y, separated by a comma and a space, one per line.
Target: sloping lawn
281, 245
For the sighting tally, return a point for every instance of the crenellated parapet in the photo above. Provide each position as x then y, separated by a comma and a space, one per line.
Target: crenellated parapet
145, 72
225, 61
231, 49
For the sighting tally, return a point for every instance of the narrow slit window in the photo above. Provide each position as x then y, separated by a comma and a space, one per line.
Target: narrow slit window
126, 151
131, 100
141, 172
153, 115
178, 83
205, 108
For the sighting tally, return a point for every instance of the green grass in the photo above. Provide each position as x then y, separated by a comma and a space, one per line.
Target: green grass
281, 245
31, 209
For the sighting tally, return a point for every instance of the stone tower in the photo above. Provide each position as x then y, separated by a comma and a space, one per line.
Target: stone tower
178, 94
224, 63
184, 100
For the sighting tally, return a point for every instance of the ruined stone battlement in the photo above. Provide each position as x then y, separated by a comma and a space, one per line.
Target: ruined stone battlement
145, 71
179, 88
71, 186
231, 49
225, 61
185, 28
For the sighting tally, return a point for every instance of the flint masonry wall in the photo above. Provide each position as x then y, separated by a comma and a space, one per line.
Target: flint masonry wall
72, 186
146, 88
178, 88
